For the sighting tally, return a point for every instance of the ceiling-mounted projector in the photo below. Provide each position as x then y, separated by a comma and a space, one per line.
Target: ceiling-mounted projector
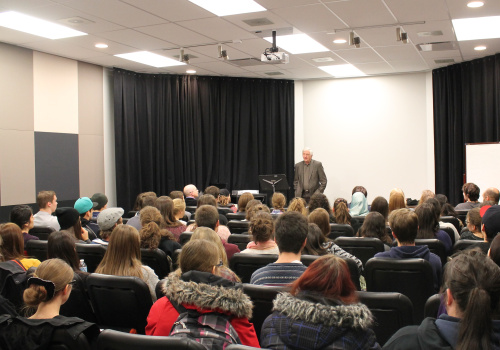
273, 55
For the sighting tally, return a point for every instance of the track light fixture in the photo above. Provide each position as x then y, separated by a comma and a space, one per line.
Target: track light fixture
401, 36
354, 40
183, 57
222, 53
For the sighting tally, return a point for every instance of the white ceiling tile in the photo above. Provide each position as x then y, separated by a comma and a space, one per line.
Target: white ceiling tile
89, 41
307, 73
411, 10
361, 55
459, 9
220, 67
277, 21
399, 52
61, 49
217, 29
359, 13
273, 4
137, 40
444, 26
171, 10
409, 66
310, 18
176, 34
375, 68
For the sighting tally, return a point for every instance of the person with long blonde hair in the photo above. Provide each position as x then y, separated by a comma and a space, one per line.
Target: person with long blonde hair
123, 257
299, 205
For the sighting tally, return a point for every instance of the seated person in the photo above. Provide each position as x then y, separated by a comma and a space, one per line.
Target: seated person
166, 207
319, 200
47, 202
491, 226
153, 235
198, 286
206, 218
473, 222
12, 247
102, 203
69, 219
359, 205
48, 289
290, 236
341, 215
404, 225
225, 200
279, 202
374, 227
428, 225
108, 219
471, 197
243, 201
22, 216
471, 289
85, 208
262, 232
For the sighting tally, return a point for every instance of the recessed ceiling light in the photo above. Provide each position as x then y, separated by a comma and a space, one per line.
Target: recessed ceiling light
32, 25
477, 28
480, 48
150, 59
343, 70
298, 43
190, 71
101, 46
340, 41
229, 7
474, 4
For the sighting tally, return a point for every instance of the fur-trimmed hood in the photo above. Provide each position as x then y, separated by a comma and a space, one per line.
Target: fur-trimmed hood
343, 316
207, 291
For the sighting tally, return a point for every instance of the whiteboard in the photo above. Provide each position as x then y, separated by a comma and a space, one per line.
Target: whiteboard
482, 165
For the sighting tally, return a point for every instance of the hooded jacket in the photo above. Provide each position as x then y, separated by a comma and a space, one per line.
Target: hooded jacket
416, 252
314, 322
433, 334
204, 292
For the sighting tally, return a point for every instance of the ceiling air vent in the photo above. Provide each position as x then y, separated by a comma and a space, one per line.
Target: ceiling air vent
445, 61
274, 73
246, 62
255, 22
439, 46
433, 33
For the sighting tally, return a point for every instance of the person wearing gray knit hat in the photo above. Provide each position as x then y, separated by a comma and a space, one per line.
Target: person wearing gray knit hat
107, 220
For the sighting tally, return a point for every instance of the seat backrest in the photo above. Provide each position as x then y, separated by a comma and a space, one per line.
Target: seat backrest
362, 248
462, 215
245, 264
241, 240
185, 237
113, 340
191, 208
435, 246
262, 298
432, 306
42, 232
351, 264
91, 253
224, 211
78, 304
156, 259
130, 214
463, 244
13, 279
360, 219
340, 230
62, 340
391, 311
36, 248
236, 216
411, 277
119, 302
238, 226
452, 220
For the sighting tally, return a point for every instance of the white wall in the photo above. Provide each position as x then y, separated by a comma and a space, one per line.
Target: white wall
375, 131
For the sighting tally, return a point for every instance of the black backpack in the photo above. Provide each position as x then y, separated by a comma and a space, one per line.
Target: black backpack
13, 280
213, 330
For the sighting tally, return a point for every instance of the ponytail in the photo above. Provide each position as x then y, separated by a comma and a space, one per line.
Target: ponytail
475, 333
342, 215
150, 235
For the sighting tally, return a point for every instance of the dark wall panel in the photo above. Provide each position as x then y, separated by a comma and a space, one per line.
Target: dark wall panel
56, 164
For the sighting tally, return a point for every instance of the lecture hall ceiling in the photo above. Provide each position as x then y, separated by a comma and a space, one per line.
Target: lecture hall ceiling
164, 26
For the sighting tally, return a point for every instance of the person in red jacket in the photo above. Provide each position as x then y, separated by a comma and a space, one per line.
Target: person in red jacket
197, 286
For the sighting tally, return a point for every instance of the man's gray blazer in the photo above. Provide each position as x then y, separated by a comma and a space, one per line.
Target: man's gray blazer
317, 180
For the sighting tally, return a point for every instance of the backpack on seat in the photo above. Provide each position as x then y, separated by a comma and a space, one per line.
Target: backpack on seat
213, 330
13, 280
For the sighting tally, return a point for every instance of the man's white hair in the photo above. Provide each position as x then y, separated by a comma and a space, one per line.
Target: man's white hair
308, 149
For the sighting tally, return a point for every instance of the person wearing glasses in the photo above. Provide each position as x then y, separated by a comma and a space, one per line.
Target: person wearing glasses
48, 289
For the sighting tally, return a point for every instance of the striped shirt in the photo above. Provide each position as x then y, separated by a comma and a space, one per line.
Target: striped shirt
277, 274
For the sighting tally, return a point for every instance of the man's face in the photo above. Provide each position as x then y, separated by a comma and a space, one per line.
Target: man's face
195, 193
306, 155
53, 204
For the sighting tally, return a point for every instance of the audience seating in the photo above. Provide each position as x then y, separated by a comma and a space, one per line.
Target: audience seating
62, 340
235, 226
175, 259
120, 303
245, 264
362, 248
450, 233
351, 264
37, 248
241, 240
462, 215
185, 237
114, 340
236, 216
432, 306
125, 220
452, 220
156, 259
191, 208
224, 211
262, 298
12, 283
359, 219
240, 347
130, 214
78, 304
91, 253
42, 232
390, 310
435, 246
411, 277
340, 230
463, 244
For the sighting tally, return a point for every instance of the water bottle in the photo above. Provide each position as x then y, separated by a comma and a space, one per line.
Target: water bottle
83, 266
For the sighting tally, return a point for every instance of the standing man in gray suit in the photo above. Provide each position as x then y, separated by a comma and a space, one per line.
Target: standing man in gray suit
310, 177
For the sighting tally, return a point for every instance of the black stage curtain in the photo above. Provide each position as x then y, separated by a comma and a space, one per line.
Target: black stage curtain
466, 110
172, 130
